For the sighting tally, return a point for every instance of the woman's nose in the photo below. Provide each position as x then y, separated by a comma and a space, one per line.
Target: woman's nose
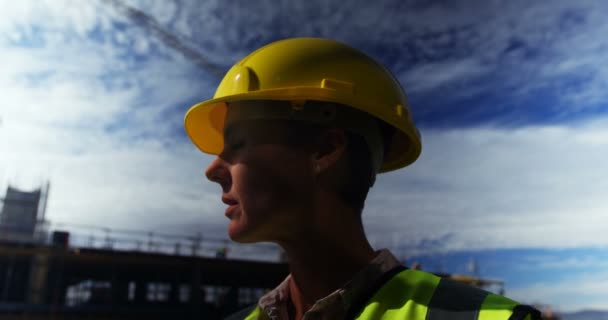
217, 171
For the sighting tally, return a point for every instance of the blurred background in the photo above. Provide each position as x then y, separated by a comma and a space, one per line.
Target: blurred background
105, 205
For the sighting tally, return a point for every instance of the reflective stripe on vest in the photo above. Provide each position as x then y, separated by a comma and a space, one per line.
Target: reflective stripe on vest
256, 314
418, 295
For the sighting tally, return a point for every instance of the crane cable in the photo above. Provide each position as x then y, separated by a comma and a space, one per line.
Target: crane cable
151, 24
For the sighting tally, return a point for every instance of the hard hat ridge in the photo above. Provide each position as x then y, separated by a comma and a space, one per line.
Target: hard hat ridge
311, 69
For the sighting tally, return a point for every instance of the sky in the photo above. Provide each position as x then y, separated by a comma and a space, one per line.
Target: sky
510, 98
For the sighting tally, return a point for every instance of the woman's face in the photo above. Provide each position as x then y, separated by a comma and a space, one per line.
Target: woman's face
266, 183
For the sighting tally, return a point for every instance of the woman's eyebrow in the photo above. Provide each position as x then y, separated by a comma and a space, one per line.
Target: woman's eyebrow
228, 132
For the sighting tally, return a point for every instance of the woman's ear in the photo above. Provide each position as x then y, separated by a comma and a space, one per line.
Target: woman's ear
331, 146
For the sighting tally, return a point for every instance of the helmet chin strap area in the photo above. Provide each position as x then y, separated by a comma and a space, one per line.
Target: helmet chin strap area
315, 112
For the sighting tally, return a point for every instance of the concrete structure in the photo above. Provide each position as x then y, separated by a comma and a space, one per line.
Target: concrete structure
54, 282
21, 213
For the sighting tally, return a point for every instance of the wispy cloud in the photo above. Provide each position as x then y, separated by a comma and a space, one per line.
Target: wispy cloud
95, 103
507, 54
555, 261
96, 87
432, 76
581, 291
535, 186
79, 110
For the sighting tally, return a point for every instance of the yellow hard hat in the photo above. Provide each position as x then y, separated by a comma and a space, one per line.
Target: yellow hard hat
301, 69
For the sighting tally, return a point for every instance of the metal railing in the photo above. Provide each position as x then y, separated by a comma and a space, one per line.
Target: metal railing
120, 239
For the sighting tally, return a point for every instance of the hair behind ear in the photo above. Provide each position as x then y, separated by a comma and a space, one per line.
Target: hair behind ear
361, 177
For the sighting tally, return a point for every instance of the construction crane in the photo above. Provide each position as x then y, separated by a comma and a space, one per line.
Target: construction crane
152, 25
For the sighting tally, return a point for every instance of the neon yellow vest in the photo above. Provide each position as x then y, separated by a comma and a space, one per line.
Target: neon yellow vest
418, 295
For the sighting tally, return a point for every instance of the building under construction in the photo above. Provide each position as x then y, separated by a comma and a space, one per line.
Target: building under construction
70, 283
22, 216
46, 276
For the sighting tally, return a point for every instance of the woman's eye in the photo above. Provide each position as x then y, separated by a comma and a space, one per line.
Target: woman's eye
236, 145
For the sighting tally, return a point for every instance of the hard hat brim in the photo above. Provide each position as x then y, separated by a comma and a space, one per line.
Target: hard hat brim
204, 122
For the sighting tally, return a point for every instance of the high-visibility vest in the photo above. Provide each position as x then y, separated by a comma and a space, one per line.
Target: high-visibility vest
406, 294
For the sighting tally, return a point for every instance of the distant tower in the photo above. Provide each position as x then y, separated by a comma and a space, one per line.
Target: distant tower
472, 267
42, 224
21, 212
43, 201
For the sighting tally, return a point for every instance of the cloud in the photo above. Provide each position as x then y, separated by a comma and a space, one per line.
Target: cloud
79, 110
95, 103
508, 54
488, 187
585, 291
432, 76
592, 261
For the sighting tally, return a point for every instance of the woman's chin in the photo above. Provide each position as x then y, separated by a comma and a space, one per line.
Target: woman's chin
243, 234
238, 233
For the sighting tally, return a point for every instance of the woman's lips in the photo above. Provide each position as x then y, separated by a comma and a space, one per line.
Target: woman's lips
232, 204
230, 210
